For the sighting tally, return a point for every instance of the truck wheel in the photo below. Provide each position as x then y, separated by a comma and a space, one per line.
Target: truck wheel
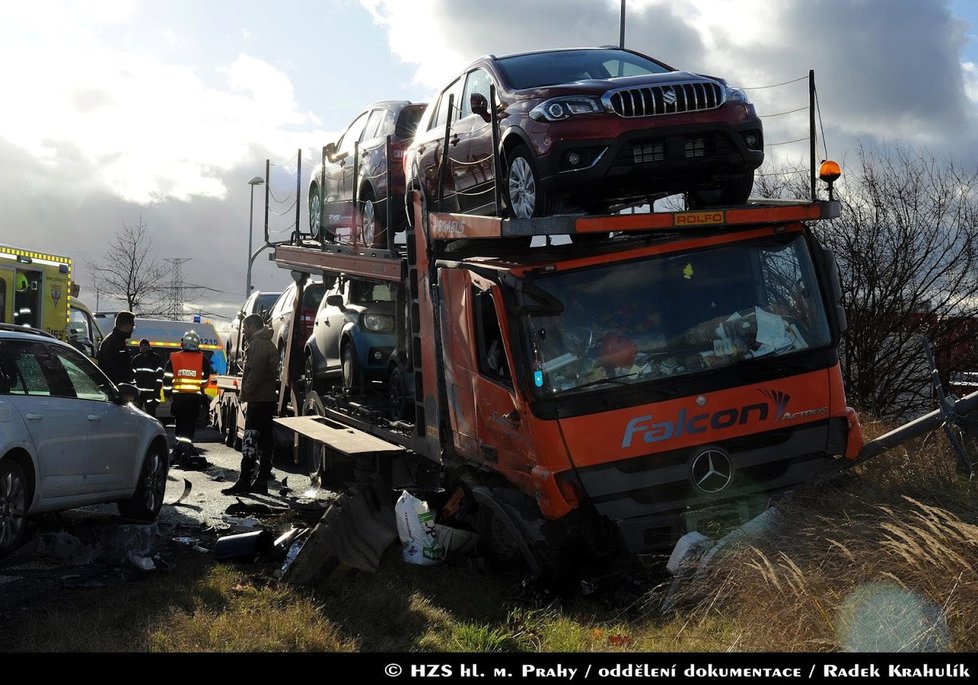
13, 506
232, 425
352, 377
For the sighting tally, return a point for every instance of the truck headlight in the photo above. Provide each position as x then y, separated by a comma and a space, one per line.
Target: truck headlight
378, 323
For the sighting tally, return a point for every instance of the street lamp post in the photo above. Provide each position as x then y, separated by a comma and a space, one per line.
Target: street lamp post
256, 181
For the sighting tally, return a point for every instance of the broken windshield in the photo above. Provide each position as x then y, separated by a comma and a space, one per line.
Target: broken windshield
672, 315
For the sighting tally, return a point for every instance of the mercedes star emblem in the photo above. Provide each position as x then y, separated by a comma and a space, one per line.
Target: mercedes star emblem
711, 470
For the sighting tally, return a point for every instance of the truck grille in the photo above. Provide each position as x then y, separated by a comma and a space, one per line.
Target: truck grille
673, 98
648, 496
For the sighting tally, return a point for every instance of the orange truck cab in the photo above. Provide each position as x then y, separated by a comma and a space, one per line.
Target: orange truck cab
662, 382
656, 374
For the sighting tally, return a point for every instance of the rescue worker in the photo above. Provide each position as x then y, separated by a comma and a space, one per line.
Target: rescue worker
258, 385
113, 354
190, 369
148, 367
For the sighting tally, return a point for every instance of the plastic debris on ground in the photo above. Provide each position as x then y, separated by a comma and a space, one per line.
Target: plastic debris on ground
416, 529
245, 546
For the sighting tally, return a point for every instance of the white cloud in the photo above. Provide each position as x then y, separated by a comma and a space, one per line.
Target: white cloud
149, 129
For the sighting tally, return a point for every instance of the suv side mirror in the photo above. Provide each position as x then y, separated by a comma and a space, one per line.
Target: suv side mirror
479, 105
331, 153
335, 301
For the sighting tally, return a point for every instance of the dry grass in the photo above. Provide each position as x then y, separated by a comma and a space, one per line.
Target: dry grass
883, 561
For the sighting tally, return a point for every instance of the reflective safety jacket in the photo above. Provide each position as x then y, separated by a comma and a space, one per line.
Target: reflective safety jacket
188, 372
149, 374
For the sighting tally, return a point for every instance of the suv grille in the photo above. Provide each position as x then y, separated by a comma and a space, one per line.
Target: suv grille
673, 98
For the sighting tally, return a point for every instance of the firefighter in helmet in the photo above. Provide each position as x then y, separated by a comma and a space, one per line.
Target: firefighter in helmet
189, 368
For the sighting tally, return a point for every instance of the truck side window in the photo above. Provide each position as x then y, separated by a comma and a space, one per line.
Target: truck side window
489, 338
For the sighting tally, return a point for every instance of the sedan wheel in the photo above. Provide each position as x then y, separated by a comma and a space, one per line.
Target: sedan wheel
352, 378
148, 498
315, 211
13, 505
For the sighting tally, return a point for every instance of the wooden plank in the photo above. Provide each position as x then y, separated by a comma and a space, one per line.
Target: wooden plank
343, 439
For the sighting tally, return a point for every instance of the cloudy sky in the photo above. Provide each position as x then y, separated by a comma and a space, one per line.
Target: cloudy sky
119, 109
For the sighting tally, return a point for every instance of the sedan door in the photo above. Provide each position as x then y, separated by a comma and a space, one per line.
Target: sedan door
41, 392
111, 460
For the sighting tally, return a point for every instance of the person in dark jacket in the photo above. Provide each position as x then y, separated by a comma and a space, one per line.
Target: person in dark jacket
148, 367
258, 386
113, 355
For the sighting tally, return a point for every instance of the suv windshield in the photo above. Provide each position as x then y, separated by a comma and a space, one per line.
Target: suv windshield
672, 315
567, 66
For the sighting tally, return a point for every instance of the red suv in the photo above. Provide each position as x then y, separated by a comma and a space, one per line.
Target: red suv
348, 197
594, 130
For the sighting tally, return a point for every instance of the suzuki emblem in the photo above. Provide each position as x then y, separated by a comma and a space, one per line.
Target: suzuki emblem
669, 96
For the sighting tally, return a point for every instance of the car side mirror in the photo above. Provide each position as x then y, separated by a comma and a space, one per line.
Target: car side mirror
479, 105
335, 301
128, 392
331, 153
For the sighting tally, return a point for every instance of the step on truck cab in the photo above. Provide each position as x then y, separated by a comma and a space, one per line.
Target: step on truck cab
661, 373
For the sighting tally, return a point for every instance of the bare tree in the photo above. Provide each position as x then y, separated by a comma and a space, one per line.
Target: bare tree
130, 272
907, 246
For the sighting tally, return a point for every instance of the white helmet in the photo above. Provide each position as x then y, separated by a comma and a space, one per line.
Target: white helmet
190, 341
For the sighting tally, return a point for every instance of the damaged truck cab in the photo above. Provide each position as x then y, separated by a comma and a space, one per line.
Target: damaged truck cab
654, 383
638, 378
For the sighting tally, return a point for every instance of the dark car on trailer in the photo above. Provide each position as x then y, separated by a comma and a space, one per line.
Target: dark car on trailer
592, 129
348, 190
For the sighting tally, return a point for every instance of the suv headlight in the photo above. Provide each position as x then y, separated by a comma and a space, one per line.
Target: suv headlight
377, 322
737, 95
558, 109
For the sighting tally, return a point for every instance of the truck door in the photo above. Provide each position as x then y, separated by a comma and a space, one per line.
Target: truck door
485, 411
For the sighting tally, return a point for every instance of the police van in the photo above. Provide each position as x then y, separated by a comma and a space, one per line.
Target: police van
164, 338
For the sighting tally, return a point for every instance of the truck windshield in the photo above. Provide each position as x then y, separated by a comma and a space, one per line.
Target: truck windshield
672, 315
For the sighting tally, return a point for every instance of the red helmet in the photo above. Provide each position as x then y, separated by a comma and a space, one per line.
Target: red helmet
616, 351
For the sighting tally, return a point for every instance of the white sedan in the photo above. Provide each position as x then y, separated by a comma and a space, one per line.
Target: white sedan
69, 437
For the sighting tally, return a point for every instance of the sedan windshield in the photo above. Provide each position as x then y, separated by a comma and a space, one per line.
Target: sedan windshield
567, 66
672, 315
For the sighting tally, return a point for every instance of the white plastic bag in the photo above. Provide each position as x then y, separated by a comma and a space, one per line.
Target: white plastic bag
416, 529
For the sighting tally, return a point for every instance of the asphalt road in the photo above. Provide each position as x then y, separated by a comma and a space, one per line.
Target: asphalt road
90, 547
